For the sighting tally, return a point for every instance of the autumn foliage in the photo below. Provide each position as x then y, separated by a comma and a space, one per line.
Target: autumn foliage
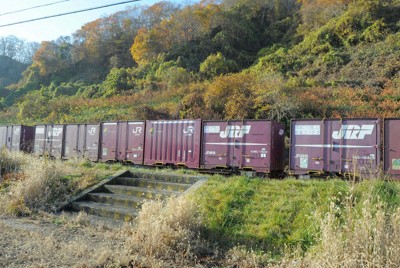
218, 60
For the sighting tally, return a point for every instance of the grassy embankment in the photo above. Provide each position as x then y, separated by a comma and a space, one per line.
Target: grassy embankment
231, 221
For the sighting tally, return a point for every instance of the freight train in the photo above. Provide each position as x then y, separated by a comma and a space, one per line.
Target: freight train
343, 147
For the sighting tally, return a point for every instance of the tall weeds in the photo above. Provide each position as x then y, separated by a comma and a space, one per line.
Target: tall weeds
355, 233
366, 238
166, 231
31, 184
10, 162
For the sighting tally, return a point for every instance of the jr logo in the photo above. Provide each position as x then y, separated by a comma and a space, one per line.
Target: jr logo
92, 131
137, 130
235, 132
353, 132
189, 131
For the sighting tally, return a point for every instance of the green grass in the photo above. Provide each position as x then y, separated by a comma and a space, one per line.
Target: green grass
276, 216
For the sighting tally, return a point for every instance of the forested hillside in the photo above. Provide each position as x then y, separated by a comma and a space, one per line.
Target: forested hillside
226, 59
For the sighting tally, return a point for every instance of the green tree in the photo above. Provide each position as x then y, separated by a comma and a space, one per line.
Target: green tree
215, 65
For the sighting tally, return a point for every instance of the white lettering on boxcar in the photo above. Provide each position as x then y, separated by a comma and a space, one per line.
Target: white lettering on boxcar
56, 132
353, 132
307, 130
189, 131
137, 130
92, 131
235, 132
212, 129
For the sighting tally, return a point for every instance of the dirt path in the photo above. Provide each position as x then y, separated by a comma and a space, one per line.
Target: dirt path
58, 241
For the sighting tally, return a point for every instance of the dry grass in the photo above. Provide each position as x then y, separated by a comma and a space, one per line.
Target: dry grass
37, 185
41, 243
166, 232
30, 184
369, 239
10, 163
240, 257
353, 238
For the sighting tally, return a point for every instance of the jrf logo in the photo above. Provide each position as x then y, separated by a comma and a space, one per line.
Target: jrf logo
235, 132
55, 133
353, 132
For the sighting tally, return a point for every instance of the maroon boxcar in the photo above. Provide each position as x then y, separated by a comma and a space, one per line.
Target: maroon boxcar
49, 140
81, 141
17, 138
391, 148
122, 141
347, 146
131, 141
108, 145
252, 145
173, 143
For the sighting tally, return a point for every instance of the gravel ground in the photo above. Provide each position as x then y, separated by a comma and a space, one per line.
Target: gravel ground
59, 241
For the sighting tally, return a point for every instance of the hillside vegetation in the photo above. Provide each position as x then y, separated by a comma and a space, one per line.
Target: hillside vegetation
218, 60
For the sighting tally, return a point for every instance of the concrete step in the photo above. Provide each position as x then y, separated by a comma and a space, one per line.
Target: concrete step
139, 191
127, 201
154, 184
105, 210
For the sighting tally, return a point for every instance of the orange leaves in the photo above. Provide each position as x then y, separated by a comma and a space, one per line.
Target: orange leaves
183, 26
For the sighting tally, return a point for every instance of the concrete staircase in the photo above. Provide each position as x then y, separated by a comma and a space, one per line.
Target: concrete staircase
121, 196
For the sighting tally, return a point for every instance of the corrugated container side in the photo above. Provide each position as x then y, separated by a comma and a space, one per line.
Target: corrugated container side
131, 141
40, 138
347, 146
17, 138
90, 146
3, 136
82, 141
306, 141
26, 139
391, 147
175, 142
108, 144
256, 145
278, 147
71, 142
49, 140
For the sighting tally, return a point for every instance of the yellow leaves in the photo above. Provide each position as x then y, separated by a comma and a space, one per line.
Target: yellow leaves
141, 49
231, 96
